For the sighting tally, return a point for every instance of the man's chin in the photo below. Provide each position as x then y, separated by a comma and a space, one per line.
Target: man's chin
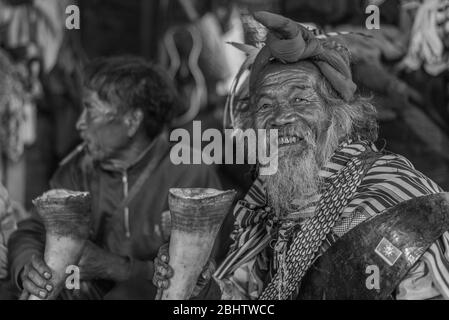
94, 154
296, 179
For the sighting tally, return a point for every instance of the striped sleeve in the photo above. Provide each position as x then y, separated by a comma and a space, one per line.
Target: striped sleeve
392, 179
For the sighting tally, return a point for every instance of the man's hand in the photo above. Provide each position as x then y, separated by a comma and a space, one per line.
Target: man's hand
35, 278
163, 272
97, 263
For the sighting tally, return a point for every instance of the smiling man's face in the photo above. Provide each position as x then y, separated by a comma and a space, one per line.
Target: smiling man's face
286, 99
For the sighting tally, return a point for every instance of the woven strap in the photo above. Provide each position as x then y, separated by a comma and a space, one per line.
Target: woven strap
308, 240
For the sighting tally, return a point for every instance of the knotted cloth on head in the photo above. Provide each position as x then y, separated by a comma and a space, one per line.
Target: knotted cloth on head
290, 42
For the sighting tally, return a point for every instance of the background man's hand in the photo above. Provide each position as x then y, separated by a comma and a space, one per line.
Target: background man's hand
35, 278
163, 272
97, 263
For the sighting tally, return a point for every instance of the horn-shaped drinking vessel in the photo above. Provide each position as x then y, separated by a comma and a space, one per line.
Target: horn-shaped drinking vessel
196, 217
65, 215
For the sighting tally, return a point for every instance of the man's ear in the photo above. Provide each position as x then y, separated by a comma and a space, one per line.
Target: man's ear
133, 120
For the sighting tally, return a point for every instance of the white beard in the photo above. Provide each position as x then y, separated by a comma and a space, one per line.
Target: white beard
297, 178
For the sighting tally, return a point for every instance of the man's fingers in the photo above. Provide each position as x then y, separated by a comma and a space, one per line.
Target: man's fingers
158, 263
162, 271
160, 282
158, 294
208, 270
37, 279
34, 290
206, 274
41, 267
170, 271
165, 271
24, 295
155, 281
164, 284
163, 253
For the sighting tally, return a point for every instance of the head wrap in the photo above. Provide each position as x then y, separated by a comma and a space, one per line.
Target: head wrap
290, 42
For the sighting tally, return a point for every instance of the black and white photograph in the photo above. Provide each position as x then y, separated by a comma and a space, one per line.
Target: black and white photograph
224, 154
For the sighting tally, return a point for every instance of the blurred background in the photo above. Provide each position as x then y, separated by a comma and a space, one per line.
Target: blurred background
403, 66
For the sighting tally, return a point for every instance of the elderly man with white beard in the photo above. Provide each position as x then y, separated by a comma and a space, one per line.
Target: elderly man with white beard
340, 219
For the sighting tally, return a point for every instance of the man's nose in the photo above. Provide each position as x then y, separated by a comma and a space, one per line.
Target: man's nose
81, 123
283, 118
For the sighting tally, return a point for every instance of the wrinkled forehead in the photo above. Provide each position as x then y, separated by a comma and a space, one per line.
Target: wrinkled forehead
92, 99
303, 74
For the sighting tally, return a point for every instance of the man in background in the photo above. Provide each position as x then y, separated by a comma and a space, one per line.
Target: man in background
125, 165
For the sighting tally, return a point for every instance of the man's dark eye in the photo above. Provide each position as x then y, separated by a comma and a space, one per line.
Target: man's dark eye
265, 106
299, 100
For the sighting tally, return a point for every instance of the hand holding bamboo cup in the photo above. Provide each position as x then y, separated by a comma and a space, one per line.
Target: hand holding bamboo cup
65, 215
196, 217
